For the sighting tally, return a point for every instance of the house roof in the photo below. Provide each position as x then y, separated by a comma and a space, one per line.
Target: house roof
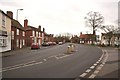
16, 24
86, 35
32, 28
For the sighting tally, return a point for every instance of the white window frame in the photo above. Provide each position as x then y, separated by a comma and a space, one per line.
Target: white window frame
36, 33
13, 35
3, 20
33, 33
23, 33
17, 43
23, 42
17, 31
3, 41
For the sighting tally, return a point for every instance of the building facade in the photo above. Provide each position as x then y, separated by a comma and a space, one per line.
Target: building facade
17, 34
5, 32
33, 35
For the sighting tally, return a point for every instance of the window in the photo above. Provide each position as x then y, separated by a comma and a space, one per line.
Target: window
3, 20
36, 34
33, 33
23, 42
3, 41
17, 42
23, 33
12, 35
17, 31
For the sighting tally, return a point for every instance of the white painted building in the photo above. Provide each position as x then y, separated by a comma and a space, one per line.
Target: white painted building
5, 32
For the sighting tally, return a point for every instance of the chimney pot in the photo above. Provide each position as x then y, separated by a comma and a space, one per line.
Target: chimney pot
10, 14
25, 23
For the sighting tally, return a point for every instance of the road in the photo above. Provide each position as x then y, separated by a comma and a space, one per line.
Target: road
51, 62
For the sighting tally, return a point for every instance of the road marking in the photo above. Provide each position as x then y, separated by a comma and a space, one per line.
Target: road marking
88, 70
83, 75
25, 65
95, 64
92, 76
92, 67
99, 68
96, 72
18, 65
45, 59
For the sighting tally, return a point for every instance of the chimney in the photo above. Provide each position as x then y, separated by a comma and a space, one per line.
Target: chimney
80, 33
10, 14
25, 23
43, 29
39, 27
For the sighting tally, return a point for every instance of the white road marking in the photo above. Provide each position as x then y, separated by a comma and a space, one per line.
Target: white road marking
92, 76
83, 75
45, 59
99, 68
88, 70
25, 65
96, 72
95, 64
92, 67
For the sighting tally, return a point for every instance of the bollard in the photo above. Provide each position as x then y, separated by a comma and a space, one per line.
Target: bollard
72, 48
68, 49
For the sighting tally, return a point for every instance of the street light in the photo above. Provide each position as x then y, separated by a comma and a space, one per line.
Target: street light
17, 13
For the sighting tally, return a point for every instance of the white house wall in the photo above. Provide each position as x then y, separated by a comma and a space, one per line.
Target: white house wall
8, 29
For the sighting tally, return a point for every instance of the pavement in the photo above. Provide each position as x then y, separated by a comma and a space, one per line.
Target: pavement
111, 68
19, 51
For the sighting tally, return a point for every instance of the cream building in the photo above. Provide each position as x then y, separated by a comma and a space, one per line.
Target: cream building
5, 32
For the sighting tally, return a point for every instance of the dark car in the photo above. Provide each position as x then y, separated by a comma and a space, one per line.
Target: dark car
35, 46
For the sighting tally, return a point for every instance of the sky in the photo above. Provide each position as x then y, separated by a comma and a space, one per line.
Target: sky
61, 16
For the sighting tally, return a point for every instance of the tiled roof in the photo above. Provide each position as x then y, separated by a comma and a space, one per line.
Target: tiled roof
31, 28
86, 35
16, 24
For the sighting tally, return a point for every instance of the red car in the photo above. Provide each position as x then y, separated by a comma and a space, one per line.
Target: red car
35, 46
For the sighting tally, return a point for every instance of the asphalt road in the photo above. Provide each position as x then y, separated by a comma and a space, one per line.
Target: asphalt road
51, 62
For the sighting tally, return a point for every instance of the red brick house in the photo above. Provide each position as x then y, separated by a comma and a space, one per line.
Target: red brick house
33, 35
18, 33
86, 38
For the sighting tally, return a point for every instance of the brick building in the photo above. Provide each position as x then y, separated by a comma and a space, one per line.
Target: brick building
18, 33
33, 35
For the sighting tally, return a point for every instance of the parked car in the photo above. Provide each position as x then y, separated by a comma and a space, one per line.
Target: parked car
35, 46
60, 43
45, 44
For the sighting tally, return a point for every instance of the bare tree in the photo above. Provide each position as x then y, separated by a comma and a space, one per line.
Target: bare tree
108, 28
94, 20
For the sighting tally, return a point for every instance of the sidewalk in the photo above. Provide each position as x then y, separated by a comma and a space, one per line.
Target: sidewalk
13, 52
111, 68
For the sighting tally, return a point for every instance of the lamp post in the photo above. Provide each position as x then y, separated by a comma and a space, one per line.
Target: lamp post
17, 13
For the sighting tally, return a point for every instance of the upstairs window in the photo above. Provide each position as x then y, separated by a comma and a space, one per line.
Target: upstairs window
23, 33
33, 33
3, 20
17, 31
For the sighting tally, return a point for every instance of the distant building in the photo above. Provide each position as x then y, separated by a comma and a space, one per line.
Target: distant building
33, 35
86, 38
5, 32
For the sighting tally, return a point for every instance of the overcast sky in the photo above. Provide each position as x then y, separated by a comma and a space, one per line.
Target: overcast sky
59, 16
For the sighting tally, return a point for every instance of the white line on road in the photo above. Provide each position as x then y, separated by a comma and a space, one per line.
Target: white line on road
45, 59
83, 75
92, 76
25, 65
92, 67
88, 70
